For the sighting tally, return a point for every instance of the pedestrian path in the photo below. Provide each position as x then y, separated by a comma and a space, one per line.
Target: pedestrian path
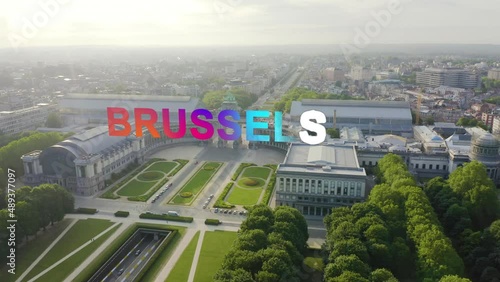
40, 257
196, 256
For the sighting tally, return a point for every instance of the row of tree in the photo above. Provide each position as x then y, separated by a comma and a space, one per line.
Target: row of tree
436, 256
270, 247
469, 210
395, 234
10, 154
297, 94
489, 84
471, 122
35, 209
213, 99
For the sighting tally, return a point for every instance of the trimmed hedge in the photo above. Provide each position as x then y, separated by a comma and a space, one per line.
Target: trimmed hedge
240, 169
182, 163
145, 197
220, 203
186, 194
166, 217
270, 186
211, 221
85, 211
122, 214
134, 168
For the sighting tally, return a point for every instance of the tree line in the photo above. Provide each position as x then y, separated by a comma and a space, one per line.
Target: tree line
35, 209
469, 210
269, 247
213, 99
394, 235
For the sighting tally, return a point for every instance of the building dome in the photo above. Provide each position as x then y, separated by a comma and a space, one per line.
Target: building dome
485, 149
487, 140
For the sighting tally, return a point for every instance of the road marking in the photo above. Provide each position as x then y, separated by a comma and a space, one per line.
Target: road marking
118, 264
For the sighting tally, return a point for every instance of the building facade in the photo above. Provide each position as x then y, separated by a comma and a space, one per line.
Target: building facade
314, 179
494, 74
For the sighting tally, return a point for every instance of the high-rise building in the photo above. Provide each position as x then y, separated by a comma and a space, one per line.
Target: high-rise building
453, 77
333, 74
362, 74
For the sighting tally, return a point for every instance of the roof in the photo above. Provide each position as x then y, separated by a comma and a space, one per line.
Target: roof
90, 142
354, 108
98, 102
323, 159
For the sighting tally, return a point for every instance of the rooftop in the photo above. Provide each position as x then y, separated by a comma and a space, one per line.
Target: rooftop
324, 159
354, 108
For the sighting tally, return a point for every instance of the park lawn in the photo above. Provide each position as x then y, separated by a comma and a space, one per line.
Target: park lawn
27, 254
256, 171
60, 272
196, 183
80, 233
244, 197
136, 188
166, 167
180, 272
215, 246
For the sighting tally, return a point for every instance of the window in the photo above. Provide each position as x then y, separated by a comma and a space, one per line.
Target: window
370, 163
444, 167
416, 166
430, 166
423, 166
437, 167
358, 192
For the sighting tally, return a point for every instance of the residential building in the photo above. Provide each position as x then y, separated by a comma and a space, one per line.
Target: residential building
494, 74
487, 119
453, 77
17, 121
334, 74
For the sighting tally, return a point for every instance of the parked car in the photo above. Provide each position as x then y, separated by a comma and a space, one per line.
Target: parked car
121, 271
137, 252
216, 210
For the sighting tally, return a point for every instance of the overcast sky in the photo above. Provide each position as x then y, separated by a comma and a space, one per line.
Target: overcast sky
243, 22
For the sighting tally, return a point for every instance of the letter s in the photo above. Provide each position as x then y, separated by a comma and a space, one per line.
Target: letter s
307, 123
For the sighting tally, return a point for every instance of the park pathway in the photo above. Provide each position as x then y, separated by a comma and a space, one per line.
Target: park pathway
45, 252
124, 226
71, 254
196, 257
